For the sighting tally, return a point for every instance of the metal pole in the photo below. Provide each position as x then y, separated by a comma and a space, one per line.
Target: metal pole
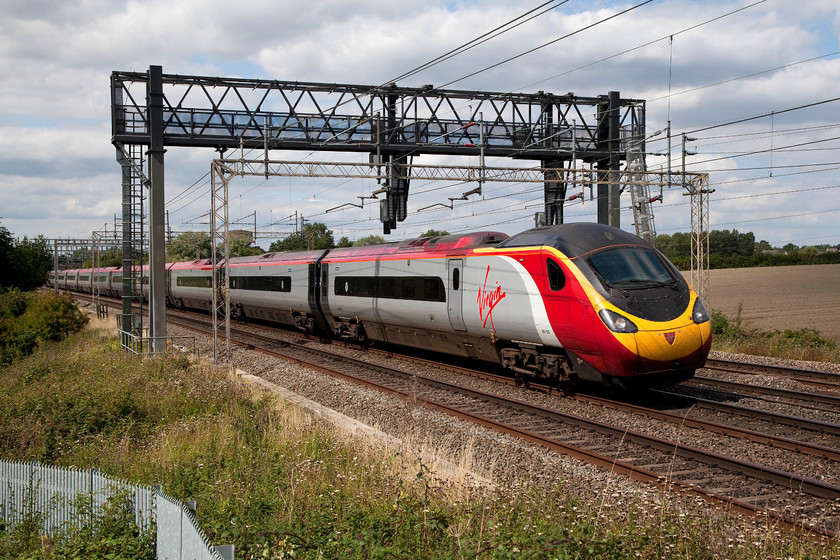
55, 265
157, 245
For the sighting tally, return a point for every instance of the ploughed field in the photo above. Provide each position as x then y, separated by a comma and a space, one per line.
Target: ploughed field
779, 298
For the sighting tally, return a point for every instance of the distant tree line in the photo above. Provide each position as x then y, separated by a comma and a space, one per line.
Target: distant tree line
25, 263
733, 249
312, 237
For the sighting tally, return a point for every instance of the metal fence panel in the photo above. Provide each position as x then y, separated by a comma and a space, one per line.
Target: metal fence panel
54, 492
179, 537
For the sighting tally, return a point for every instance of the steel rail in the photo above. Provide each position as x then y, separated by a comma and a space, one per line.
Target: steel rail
729, 430
772, 391
823, 378
786, 480
706, 425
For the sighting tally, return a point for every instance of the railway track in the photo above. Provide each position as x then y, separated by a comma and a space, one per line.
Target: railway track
825, 379
797, 501
800, 502
722, 390
802, 435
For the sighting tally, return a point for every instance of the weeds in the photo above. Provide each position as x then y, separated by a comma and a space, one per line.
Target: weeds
269, 480
109, 532
732, 335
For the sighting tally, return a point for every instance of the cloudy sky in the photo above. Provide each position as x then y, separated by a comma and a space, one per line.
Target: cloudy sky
711, 67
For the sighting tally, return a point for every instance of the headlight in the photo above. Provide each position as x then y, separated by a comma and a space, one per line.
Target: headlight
617, 323
699, 314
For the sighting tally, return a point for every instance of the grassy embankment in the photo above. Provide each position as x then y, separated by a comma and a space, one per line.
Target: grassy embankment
277, 484
732, 335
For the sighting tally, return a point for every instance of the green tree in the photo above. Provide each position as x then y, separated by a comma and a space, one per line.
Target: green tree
6, 247
189, 246
434, 233
674, 246
313, 236
763, 245
344, 242
79, 258
241, 244
369, 240
33, 262
110, 257
728, 243
24, 263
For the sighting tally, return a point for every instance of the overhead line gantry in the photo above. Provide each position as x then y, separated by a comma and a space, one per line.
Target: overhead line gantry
390, 123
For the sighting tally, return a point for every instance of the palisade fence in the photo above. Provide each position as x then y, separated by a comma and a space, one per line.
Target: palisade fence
55, 493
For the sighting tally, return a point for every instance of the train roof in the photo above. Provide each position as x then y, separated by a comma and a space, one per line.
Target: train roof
573, 239
198, 263
275, 257
441, 243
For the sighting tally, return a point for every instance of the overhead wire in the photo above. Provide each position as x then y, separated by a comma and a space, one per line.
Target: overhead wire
670, 36
566, 36
481, 39
743, 77
489, 35
420, 68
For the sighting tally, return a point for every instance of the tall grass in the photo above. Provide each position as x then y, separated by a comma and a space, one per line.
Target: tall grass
731, 334
274, 482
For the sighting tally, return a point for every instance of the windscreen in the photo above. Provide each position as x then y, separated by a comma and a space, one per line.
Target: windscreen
630, 267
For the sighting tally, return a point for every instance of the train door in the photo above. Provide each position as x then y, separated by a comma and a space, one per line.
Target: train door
557, 296
455, 291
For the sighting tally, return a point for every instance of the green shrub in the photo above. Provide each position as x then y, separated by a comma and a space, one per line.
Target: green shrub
277, 485
29, 320
731, 335
13, 303
109, 532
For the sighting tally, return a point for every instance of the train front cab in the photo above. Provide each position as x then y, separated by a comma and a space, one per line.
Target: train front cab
655, 333
619, 310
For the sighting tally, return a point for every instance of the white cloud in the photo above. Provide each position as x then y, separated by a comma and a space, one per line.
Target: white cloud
56, 160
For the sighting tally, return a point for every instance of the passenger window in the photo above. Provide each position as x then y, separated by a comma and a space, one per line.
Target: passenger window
456, 279
556, 278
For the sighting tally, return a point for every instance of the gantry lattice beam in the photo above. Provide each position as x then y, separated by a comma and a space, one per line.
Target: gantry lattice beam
213, 112
459, 173
391, 123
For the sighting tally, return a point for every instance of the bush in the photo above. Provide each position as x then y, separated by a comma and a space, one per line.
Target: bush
730, 335
13, 303
29, 320
108, 532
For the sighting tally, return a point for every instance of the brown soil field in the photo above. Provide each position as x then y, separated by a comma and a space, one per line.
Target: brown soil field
779, 298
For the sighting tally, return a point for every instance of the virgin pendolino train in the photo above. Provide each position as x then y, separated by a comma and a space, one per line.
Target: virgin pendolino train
566, 302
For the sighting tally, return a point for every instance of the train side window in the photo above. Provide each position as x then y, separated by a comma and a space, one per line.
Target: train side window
556, 278
387, 287
408, 288
456, 279
433, 289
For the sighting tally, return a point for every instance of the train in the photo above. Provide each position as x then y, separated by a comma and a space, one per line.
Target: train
578, 302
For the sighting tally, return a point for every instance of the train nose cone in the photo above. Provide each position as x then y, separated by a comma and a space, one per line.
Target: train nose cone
675, 348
